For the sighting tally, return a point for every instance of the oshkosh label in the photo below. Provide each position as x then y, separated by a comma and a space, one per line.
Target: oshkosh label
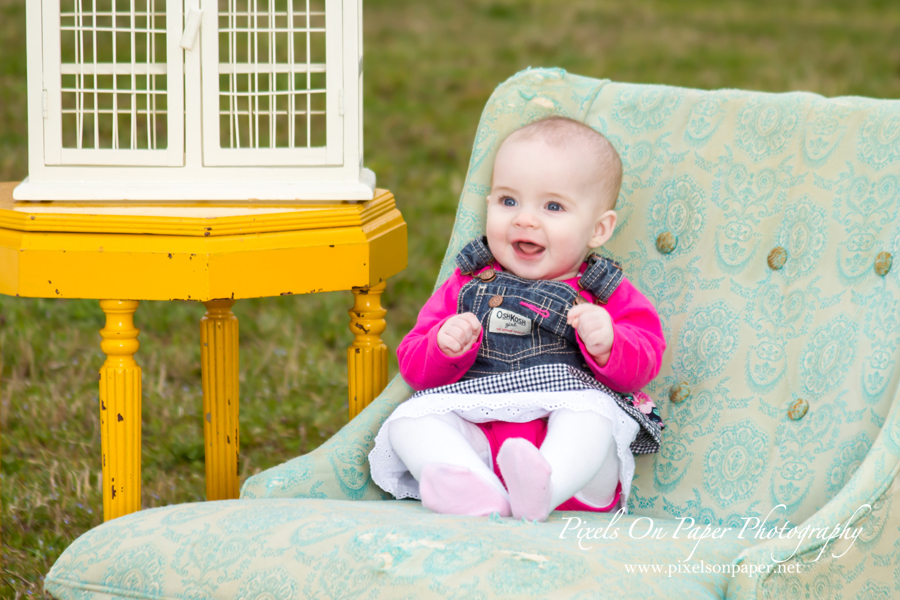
504, 321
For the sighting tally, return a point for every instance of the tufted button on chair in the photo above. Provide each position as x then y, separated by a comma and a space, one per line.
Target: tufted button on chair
730, 175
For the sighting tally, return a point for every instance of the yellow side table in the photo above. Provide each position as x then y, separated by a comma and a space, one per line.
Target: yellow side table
215, 253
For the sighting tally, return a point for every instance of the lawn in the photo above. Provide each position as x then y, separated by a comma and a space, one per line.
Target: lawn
430, 67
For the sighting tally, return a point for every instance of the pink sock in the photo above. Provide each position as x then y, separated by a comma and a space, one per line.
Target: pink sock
527, 477
454, 490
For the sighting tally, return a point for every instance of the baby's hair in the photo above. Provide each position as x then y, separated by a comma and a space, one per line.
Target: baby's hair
560, 130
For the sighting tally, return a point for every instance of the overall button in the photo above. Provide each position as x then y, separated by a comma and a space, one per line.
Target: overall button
798, 409
488, 275
666, 242
883, 263
777, 258
579, 300
679, 392
495, 301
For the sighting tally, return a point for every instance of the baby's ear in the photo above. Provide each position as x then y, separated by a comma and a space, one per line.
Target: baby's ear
603, 229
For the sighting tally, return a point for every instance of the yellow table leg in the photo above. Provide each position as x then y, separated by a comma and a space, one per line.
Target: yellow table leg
120, 410
221, 431
367, 359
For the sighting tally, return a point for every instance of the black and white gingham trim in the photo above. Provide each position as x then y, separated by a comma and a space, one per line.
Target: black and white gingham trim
555, 378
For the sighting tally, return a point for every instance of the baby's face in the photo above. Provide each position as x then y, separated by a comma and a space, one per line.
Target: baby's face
544, 209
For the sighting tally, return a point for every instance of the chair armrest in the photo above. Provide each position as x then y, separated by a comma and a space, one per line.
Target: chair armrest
339, 468
839, 568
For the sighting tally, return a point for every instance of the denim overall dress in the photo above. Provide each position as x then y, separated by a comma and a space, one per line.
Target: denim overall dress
527, 344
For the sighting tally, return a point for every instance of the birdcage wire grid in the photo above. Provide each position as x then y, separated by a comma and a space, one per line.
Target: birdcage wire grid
113, 74
272, 74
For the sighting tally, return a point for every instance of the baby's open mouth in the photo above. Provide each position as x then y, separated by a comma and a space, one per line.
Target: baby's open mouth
528, 248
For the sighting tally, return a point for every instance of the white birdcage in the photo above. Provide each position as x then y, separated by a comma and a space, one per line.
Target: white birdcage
195, 100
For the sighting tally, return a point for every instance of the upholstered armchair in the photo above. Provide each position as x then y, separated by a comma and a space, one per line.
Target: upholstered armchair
762, 227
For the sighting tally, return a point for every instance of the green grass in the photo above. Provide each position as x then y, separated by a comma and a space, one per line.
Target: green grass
430, 67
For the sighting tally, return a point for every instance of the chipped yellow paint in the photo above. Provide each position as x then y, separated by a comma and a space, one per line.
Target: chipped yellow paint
120, 410
185, 267
196, 219
367, 357
221, 432
210, 252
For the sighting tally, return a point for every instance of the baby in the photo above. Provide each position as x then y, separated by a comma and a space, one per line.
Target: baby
530, 357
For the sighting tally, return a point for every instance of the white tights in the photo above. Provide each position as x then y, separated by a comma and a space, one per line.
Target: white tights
579, 447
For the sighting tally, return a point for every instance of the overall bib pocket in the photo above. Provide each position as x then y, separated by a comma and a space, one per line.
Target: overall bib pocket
524, 321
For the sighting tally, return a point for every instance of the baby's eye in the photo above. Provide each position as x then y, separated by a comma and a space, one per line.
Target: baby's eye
554, 206
507, 201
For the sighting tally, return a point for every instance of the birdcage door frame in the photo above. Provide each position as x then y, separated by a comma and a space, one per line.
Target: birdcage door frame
215, 102
55, 153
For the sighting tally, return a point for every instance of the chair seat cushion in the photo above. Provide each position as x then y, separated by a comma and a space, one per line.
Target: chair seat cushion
281, 549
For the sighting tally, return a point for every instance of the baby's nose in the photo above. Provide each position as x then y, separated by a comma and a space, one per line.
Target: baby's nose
525, 218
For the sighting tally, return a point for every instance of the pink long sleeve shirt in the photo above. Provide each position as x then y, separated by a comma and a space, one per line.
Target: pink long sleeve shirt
635, 358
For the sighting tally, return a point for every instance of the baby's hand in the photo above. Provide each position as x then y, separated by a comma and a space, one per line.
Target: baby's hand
458, 333
594, 326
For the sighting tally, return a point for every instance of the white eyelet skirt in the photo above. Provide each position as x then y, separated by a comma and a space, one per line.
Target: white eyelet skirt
484, 399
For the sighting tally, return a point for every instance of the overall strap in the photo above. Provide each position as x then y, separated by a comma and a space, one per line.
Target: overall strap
601, 278
474, 256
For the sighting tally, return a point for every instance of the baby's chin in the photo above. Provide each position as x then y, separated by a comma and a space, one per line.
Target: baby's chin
537, 271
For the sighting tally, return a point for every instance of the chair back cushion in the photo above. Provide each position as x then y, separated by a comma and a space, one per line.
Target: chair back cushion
780, 312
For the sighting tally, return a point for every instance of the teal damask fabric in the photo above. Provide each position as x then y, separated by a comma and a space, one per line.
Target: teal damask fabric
291, 549
783, 343
734, 175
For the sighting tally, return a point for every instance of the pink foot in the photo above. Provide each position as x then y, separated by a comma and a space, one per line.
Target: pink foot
453, 490
527, 477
